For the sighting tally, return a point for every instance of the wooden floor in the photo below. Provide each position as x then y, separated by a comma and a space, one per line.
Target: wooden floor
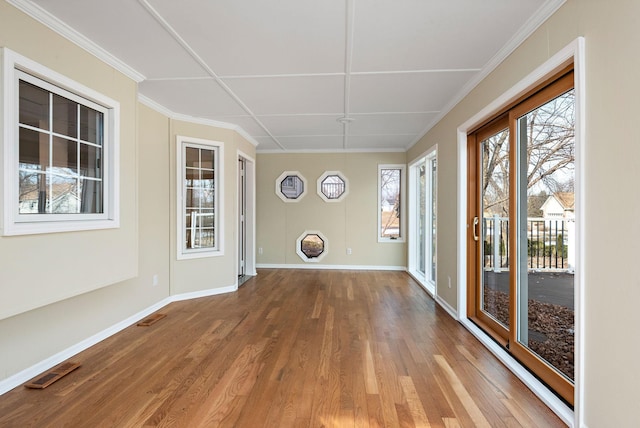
292, 348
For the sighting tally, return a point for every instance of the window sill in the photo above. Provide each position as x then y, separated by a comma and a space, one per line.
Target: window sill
35, 228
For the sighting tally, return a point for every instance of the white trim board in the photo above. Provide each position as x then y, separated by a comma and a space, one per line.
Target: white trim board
23, 376
196, 120
328, 267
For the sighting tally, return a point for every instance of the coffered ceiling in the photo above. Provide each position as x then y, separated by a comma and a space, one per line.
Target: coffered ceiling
294, 75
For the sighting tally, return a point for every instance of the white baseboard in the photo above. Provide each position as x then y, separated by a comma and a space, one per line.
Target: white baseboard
29, 373
329, 267
447, 307
204, 293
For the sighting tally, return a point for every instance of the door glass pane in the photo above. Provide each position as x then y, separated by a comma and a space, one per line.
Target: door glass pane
546, 224
422, 218
494, 262
434, 188
390, 181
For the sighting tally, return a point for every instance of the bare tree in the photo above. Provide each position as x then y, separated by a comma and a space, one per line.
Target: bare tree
550, 154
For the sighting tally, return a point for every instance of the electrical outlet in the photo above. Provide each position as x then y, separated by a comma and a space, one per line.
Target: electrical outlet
259, 250
348, 251
154, 281
449, 278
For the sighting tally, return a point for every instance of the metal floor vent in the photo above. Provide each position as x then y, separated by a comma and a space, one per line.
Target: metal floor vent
52, 375
151, 319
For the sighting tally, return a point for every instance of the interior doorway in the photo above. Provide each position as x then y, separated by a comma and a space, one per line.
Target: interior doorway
246, 219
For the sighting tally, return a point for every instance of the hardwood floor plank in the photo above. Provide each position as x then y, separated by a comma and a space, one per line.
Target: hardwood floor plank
291, 348
413, 401
464, 396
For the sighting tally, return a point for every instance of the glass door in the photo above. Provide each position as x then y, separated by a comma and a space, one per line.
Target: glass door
544, 308
521, 232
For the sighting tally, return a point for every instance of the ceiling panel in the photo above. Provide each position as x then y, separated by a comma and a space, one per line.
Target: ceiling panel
405, 123
414, 92
312, 143
303, 125
420, 34
199, 98
399, 142
137, 39
291, 95
262, 37
280, 69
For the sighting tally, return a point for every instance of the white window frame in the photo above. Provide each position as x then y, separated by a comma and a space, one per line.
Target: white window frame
425, 278
403, 203
327, 174
302, 255
281, 178
14, 223
182, 142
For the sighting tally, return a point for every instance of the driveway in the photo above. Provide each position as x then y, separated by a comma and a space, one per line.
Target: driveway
547, 287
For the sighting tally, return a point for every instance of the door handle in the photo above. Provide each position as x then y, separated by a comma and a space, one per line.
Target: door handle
475, 224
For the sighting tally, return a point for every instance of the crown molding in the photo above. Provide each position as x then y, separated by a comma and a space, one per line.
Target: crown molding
41, 15
197, 120
532, 24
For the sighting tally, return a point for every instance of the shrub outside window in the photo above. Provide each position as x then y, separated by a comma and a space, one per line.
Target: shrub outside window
60, 152
200, 166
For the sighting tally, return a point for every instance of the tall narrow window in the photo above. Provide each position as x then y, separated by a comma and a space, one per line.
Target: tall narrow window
390, 203
199, 189
60, 171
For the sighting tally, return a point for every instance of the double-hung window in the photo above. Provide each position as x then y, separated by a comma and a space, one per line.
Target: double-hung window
200, 217
59, 146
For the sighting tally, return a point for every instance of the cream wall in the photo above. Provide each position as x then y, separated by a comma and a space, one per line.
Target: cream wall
612, 150
58, 290
350, 223
60, 265
193, 275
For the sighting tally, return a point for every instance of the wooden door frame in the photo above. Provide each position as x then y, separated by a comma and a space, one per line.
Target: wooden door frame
574, 53
555, 85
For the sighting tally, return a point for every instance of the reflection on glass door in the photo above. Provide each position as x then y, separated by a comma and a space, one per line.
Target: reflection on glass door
494, 206
422, 217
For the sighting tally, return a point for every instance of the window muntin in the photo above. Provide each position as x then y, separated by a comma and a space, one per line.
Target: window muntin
332, 186
199, 163
390, 203
291, 186
60, 152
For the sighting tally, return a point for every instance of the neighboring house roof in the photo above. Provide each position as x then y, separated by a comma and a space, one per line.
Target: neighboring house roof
566, 199
559, 202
